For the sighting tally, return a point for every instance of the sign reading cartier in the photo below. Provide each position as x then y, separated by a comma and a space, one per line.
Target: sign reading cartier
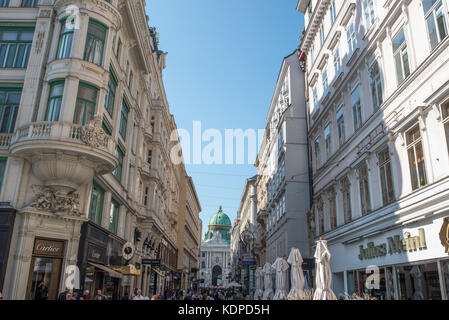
394, 245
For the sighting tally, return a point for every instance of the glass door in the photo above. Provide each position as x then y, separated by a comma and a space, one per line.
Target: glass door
47, 271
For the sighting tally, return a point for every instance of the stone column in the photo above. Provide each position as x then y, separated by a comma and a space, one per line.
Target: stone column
79, 37
69, 99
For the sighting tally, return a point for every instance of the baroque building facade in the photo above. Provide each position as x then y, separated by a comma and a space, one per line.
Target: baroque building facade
215, 269
282, 183
87, 181
378, 99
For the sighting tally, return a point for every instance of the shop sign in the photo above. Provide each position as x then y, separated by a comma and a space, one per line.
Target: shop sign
155, 262
394, 245
48, 248
96, 254
444, 234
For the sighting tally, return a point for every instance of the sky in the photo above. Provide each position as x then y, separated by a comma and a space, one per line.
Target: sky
223, 61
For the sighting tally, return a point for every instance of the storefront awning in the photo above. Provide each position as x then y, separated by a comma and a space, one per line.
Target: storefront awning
112, 273
159, 272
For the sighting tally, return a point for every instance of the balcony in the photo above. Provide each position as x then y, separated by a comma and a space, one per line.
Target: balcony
147, 172
65, 155
5, 140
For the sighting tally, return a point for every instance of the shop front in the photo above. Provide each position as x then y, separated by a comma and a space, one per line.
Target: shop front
7, 216
93, 258
408, 263
46, 265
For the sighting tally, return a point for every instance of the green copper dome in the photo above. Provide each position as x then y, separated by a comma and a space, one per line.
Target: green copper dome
219, 223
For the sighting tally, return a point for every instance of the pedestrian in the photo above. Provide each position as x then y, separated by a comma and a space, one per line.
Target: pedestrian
68, 296
156, 297
41, 292
62, 295
99, 295
139, 295
86, 295
76, 296
125, 296
1, 296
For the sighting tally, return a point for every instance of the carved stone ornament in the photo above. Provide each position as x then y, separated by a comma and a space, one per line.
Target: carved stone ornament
56, 202
93, 134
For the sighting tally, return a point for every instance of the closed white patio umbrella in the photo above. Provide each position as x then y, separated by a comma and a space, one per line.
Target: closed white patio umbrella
323, 272
281, 266
267, 281
258, 294
296, 275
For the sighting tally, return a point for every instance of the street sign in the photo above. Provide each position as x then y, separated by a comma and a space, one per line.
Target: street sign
151, 261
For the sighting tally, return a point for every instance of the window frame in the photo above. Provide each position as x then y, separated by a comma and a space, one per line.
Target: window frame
12, 120
51, 98
432, 12
97, 217
412, 145
19, 29
93, 56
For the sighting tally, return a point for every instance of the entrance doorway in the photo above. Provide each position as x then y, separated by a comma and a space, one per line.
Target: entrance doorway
216, 275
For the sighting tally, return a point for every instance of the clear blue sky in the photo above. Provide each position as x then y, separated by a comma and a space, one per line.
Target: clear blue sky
223, 61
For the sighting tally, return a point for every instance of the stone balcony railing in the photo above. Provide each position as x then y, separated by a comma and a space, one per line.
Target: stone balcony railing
5, 140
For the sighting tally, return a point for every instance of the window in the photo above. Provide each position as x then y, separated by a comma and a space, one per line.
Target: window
9, 106
325, 82
4, 3
149, 156
341, 125
352, 39
119, 48
445, 116
312, 55
85, 104
124, 119
375, 85
107, 127
333, 208
110, 95
346, 190
96, 204
65, 39
416, 158
337, 62
356, 108
2, 170
320, 217
130, 79
401, 56
96, 35
29, 3
328, 141
54, 101
368, 8
435, 20
15, 47
145, 196
386, 178
364, 189
317, 153
315, 100
322, 35
120, 155
333, 11
113, 216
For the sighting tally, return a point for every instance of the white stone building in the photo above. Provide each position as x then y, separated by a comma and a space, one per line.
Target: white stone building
378, 102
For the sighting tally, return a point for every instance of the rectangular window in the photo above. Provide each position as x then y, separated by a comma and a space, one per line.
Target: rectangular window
149, 156
375, 85
96, 36
124, 119
65, 39
322, 35
145, 196
401, 56
119, 48
341, 125
9, 106
416, 158
352, 39
4, 3
312, 55
325, 83
356, 108
320, 217
368, 8
365, 201
333, 11
29, 3
54, 101
435, 20
333, 208
86, 101
106, 127
386, 178
2, 170
114, 216
15, 47
317, 153
120, 155
445, 116
130, 80
346, 190
96, 204
110, 95
337, 62
328, 141
315, 100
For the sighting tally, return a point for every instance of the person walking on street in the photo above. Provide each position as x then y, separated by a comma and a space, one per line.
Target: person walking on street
99, 295
41, 292
139, 295
62, 295
86, 295
125, 296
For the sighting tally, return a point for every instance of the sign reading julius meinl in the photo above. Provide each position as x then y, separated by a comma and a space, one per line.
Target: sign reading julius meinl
49, 248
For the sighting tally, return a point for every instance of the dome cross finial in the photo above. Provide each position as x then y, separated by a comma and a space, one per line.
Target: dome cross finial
220, 208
